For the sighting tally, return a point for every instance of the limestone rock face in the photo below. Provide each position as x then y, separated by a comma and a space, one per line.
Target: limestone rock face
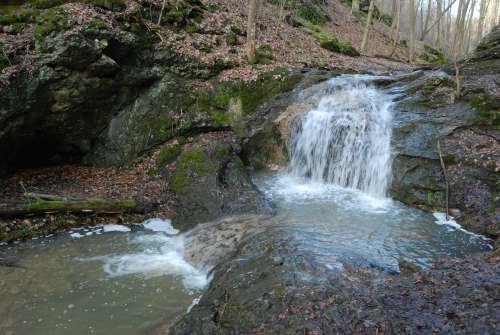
83, 87
468, 129
486, 57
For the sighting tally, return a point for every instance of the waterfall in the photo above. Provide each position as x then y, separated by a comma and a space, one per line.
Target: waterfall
345, 140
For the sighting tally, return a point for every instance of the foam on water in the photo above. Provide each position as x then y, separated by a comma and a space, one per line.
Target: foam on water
290, 189
158, 255
160, 225
115, 228
450, 222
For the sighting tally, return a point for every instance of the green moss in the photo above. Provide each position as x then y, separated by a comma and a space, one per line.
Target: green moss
26, 15
182, 14
433, 55
181, 140
387, 19
167, 155
7, 19
18, 27
311, 13
192, 163
264, 54
409, 267
488, 110
228, 103
4, 60
179, 181
192, 28
107, 4
231, 38
329, 42
45, 4
96, 24
44, 205
222, 150
450, 159
195, 160
54, 20
95, 204
308, 10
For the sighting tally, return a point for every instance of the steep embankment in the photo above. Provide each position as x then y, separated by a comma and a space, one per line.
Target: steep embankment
468, 129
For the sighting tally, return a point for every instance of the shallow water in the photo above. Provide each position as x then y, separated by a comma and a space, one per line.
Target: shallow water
96, 282
335, 223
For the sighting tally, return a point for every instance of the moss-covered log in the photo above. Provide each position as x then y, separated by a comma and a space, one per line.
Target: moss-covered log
89, 205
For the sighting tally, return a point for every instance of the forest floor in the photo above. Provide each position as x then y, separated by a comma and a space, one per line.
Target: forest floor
289, 45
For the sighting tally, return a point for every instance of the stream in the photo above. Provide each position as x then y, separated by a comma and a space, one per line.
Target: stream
331, 201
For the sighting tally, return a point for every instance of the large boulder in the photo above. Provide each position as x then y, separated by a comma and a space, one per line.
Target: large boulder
209, 180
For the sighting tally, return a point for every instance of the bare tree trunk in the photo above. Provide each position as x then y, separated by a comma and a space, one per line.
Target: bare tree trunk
482, 15
395, 36
394, 9
420, 10
447, 10
438, 41
253, 8
161, 12
469, 28
355, 6
368, 24
411, 30
427, 17
462, 28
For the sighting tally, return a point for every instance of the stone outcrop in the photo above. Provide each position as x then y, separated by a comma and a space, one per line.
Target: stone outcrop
268, 286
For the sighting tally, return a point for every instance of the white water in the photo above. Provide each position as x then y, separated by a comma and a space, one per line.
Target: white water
154, 255
333, 197
345, 140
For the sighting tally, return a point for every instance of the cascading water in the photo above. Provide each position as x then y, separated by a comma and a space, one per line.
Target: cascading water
345, 140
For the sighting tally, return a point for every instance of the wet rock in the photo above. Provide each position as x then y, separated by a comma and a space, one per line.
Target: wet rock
250, 294
211, 181
466, 128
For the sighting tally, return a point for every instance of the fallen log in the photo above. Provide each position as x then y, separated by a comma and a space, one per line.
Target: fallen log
40, 196
88, 205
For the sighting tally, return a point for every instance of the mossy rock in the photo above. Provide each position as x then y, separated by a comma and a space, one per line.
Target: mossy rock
45, 4
433, 55
192, 28
309, 10
191, 164
487, 107
50, 21
4, 60
264, 54
167, 155
329, 42
25, 15
311, 13
386, 18
184, 13
96, 24
232, 38
228, 103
